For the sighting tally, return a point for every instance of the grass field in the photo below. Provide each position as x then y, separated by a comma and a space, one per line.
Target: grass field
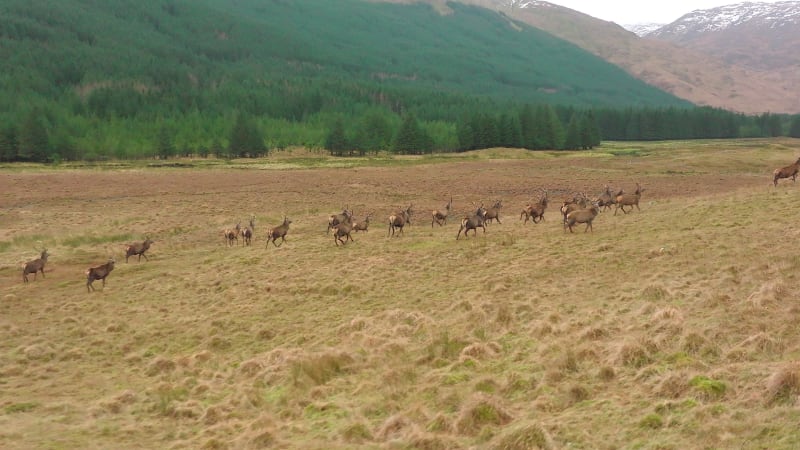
672, 327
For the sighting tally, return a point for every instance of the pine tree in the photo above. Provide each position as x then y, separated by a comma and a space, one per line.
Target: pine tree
336, 141
8, 144
34, 143
246, 139
794, 127
572, 140
165, 147
411, 138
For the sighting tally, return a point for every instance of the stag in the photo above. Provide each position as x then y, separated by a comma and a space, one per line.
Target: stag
362, 225
631, 200
232, 234
138, 248
439, 216
37, 265
535, 211
278, 232
582, 216
789, 171
335, 219
98, 273
577, 202
399, 219
606, 199
341, 233
473, 222
493, 213
247, 233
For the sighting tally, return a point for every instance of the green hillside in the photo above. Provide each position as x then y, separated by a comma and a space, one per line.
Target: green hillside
127, 78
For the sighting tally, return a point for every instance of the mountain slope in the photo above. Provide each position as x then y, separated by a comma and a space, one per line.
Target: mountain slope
763, 36
700, 77
80, 44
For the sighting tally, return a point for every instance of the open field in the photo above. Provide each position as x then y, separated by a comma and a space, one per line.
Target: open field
672, 327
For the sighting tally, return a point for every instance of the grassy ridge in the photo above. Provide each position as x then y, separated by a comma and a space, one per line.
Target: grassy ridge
673, 327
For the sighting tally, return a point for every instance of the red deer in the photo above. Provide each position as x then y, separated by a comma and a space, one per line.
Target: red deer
631, 200
786, 172
606, 199
362, 225
247, 233
399, 219
473, 222
493, 213
138, 248
98, 273
37, 265
535, 211
335, 219
232, 234
341, 233
578, 202
582, 216
278, 232
439, 216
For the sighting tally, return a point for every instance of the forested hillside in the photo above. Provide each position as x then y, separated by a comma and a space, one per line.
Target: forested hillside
86, 79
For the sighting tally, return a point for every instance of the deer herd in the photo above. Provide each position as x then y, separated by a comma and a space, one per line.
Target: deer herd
576, 209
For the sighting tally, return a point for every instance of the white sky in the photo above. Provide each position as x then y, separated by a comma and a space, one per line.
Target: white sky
625, 12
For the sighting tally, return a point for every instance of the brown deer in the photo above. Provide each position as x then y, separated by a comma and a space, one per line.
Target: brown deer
278, 232
493, 213
232, 234
606, 199
98, 273
138, 248
786, 172
535, 211
473, 222
362, 225
631, 200
37, 265
577, 202
247, 233
398, 220
341, 233
335, 219
582, 216
439, 216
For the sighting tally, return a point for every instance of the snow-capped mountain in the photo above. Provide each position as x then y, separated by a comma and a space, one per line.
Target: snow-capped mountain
762, 36
642, 29
763, 15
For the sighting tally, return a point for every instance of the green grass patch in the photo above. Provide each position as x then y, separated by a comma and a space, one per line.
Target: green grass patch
708, 388
20, 407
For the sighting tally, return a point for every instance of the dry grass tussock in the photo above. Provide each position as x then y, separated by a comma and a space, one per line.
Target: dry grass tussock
525, 337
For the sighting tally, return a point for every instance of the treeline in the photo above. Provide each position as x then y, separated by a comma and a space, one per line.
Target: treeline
352, 128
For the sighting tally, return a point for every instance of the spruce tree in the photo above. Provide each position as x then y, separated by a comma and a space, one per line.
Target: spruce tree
246, 139
336, 141
794, 127
411, 138
34, 143
8, 144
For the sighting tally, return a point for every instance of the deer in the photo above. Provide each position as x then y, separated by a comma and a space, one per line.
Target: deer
341, 233
582, 216
138, 248
786, 172
247, 233
535, 211
439, 216
232, 234
577, 202
606, 199
335, 219
362, 225
278, 232
98, 273
631, 200
399, 219
473, 222
493, 213
36, 265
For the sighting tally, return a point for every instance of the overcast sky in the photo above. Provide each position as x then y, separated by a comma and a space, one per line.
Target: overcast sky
625, 12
